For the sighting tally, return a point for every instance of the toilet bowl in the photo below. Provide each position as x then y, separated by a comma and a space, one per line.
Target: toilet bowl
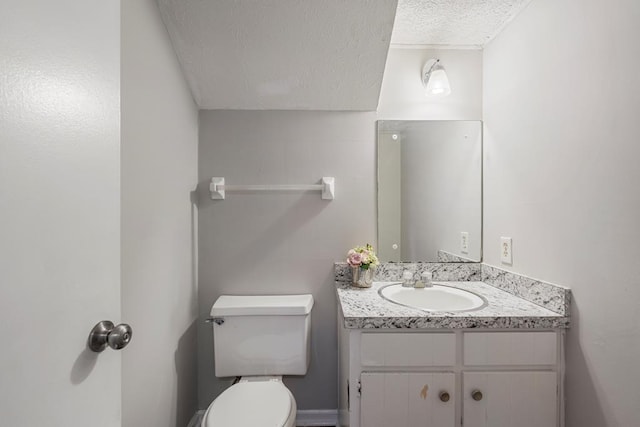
252, 402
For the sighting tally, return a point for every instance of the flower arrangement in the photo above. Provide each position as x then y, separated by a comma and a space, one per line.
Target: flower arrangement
362, 256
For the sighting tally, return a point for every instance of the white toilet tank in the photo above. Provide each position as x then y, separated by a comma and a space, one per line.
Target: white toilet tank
261, 335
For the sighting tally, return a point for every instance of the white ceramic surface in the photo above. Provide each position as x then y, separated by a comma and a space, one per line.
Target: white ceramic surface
248, 404
434, 298
262, 335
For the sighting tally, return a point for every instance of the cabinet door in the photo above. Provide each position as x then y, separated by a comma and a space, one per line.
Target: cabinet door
510, 399
408, 399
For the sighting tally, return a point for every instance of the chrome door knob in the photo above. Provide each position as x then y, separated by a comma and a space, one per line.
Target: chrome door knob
119, 336
105, 334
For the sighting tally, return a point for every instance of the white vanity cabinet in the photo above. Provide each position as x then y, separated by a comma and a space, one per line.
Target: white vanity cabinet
407, 399
450, 378
510, 399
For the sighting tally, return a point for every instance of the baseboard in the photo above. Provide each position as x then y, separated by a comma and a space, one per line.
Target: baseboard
317, 417
304, 418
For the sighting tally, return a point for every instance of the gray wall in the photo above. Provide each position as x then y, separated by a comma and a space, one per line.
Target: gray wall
275, 243
159, 163
561, 179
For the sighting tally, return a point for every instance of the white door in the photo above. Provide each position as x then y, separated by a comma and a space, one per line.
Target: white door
59, 210
508, 399
407, 399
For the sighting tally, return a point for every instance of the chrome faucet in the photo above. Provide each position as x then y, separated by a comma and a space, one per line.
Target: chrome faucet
425, 280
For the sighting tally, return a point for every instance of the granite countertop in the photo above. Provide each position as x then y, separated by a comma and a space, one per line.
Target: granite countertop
366, 309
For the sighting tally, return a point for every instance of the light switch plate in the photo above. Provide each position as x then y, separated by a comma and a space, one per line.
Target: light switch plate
506, 255
464, 242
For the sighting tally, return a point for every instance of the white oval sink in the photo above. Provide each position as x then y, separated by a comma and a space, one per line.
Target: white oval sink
435, 298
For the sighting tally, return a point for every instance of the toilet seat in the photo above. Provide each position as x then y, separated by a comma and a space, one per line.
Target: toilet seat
252, 404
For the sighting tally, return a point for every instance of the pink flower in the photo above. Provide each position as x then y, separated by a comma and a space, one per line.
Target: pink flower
354, 259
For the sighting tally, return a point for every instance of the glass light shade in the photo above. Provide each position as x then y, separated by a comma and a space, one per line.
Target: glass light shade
438, 83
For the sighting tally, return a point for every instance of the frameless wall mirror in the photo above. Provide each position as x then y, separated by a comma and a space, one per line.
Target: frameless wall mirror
429, 191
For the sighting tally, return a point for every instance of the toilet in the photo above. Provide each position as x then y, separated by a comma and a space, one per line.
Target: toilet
259, 339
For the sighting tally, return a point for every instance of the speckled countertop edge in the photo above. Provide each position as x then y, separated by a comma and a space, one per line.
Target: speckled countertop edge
365, 309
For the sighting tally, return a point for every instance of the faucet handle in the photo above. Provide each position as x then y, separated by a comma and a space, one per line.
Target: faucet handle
407, 278
427, 278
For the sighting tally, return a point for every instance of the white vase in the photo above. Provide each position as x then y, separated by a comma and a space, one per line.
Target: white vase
362, 277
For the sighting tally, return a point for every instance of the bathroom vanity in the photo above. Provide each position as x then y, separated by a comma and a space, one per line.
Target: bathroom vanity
501, 365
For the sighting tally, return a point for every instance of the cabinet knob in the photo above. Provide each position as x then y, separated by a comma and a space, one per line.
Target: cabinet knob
476, 395
444, 396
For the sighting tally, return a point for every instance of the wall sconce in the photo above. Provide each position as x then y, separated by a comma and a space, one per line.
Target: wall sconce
434, 79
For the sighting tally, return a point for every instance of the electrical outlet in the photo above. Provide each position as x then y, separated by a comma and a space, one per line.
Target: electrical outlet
464, 242
506, 256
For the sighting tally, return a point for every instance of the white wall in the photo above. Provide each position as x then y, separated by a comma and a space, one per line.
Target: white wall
402, 96
272, 243
159, 170
561, 99
59, 210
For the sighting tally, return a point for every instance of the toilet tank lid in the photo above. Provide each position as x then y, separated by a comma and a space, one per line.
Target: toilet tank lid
262, 305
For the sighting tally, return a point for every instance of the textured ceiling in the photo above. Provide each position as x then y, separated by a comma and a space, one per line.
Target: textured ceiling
455, 23
313, 54
281, 54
